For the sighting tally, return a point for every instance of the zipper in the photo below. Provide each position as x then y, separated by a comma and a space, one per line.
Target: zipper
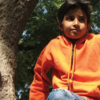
70, 78
72, 57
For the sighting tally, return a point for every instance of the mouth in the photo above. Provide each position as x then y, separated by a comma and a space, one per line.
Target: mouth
75, 30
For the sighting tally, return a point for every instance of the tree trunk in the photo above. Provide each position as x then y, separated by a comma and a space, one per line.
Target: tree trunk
13, 17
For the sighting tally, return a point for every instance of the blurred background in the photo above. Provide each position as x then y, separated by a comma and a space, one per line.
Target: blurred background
40, 29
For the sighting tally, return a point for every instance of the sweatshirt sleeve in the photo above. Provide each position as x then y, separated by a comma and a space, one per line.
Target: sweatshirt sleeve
39, 88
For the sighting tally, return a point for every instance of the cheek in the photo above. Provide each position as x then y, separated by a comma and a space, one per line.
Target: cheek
84, 26
83, 29
66, 26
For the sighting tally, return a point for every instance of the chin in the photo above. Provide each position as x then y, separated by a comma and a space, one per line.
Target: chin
74, 37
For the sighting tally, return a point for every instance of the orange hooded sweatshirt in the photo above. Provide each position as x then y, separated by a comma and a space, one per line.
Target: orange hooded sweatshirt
76, 68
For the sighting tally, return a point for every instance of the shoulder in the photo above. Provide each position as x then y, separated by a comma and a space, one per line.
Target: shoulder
94, 40
94, 37
50, 49
55, 42
97, 38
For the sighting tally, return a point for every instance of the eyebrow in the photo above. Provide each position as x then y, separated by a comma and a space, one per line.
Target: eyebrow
78, 15
82, 16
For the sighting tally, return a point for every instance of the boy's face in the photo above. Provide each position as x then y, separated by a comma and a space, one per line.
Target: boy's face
74, 24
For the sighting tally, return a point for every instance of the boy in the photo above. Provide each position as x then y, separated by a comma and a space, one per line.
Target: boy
74, 58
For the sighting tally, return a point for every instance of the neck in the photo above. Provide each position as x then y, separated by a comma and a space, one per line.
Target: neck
73, 41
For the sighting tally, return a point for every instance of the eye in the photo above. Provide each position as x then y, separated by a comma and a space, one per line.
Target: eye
81, 19
70, 18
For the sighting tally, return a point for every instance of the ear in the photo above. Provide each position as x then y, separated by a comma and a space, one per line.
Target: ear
60, 25
88, 26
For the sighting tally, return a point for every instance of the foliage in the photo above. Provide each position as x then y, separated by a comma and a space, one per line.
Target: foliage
95, 16
40, 29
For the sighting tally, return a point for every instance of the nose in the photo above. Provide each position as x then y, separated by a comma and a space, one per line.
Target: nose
76, 22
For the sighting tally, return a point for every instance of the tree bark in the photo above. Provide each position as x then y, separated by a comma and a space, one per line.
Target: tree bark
13, 17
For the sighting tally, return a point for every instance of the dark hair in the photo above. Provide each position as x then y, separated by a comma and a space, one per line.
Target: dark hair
72, 4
